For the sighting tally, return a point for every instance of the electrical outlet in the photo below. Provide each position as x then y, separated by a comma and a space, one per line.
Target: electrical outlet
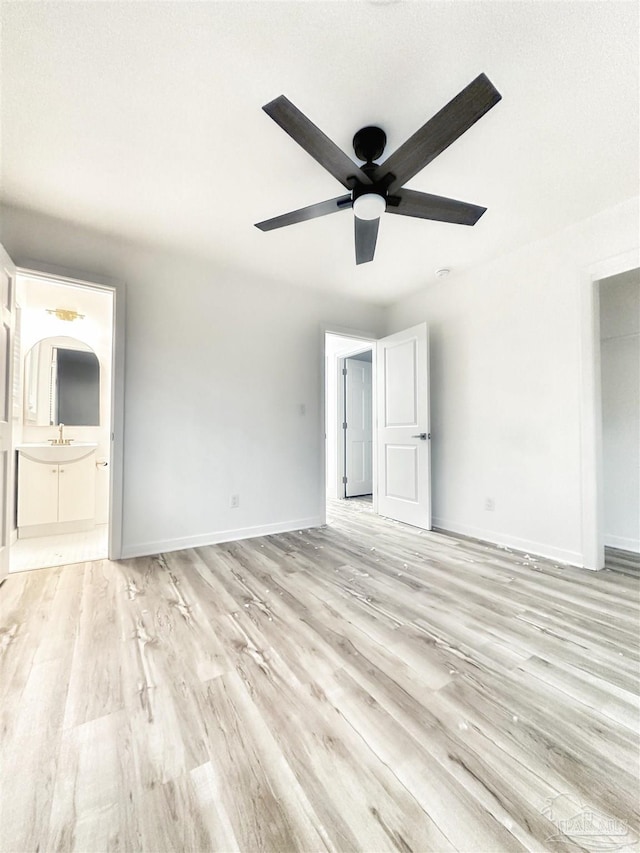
235, 501
489, 504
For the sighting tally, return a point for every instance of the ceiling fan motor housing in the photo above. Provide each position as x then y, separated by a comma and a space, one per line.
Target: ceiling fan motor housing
369, 143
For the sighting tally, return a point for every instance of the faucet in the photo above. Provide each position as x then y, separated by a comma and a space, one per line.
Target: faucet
61, 439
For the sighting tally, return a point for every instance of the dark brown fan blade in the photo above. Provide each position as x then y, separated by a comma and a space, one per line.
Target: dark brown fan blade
425, 206
366, 235
315, 142
343, 202
439, 132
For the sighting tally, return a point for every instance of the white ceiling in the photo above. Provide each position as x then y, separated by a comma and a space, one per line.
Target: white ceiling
144, 120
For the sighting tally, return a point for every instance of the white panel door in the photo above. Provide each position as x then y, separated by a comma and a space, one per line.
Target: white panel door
358, 432
7, 320
403, 446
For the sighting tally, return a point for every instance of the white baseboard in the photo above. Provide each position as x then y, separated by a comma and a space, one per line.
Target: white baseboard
623, 543
539, 549
147, 549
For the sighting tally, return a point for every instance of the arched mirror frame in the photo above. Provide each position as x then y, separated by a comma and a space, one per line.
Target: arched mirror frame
61, 383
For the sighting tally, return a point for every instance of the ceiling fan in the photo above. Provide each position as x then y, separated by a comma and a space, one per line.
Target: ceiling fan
374, 189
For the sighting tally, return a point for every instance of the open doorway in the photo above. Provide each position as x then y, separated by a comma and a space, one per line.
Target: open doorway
619, 339
62, 428
389, 408
349, 381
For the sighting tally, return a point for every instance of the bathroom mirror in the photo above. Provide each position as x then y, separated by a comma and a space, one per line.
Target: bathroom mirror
61, 383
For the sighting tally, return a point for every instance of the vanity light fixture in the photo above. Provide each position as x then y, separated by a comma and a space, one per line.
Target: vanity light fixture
65, 314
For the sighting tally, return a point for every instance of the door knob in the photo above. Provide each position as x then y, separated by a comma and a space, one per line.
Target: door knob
422, 436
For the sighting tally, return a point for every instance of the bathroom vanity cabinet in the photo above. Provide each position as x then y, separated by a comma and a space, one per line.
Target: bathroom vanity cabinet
56, 489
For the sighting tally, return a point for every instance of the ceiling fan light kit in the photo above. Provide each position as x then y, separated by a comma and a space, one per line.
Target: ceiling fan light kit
369, 205
375, 188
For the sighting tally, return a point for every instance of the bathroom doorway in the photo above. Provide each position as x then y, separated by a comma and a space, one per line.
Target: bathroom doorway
62, 427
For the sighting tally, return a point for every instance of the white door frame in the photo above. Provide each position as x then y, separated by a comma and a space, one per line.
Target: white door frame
591, 404
338, 428
367, 338
35, 269
7, 482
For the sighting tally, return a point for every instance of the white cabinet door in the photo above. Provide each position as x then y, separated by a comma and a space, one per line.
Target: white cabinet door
77, 489
403, 481
37, 492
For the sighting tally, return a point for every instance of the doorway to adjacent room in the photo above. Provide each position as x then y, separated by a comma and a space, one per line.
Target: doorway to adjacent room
62, 403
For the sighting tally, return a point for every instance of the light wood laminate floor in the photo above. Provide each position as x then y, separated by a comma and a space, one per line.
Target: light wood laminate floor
362, 686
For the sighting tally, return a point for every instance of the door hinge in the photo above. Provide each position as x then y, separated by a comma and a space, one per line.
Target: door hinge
344, 425
344, 480
344, 371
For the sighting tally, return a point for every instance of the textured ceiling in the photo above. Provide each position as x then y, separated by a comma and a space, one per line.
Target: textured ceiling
144, 120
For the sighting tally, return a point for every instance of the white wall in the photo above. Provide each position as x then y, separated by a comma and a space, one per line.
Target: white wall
620, 373
217, 367
506, 373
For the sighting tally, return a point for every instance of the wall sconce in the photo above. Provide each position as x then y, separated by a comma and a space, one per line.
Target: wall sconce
65, 314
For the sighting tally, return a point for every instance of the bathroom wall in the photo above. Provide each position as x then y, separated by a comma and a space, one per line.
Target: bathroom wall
35, 296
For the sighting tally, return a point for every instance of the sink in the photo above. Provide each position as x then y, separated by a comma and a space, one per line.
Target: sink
41, 451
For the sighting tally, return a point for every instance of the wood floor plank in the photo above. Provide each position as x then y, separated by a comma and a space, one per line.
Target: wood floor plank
362, 686
264, 805
95, 799
29, 755
27, 611
95, 689
575, 748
